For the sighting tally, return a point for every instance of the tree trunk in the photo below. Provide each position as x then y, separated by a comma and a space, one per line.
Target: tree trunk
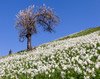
29, 42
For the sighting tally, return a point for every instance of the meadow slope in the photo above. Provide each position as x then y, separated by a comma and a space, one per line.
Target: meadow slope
72, 57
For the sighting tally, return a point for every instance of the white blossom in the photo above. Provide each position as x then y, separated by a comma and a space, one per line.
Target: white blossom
97, 66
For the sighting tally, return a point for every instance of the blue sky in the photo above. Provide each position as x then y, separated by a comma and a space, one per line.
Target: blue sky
75, 15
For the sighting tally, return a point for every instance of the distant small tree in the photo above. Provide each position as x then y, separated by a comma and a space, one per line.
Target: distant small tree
28, 20
10, 52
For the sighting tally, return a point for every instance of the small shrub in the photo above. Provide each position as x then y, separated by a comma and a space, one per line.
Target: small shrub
10, 52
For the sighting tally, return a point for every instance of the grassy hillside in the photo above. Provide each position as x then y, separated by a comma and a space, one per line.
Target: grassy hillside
75, 56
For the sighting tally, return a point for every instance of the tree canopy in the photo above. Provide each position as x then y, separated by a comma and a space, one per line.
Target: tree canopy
29, 19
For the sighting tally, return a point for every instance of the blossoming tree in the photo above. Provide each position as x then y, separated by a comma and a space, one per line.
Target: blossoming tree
29, 19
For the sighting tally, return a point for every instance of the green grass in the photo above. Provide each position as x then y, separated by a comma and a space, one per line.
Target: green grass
82, 33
